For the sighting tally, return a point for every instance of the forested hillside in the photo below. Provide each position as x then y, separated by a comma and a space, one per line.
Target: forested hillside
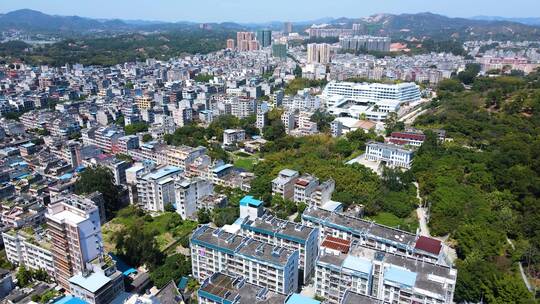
483, 188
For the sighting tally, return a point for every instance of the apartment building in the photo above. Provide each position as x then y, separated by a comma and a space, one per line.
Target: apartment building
182, 116
243, 107
18, 215
365, 43
25, 247
221, 288
106, 138
323, 193
287, 234
156, 189
75, 232
382, 275
102, 283
189, 193
406, 138
389, 154
126, 143
304, 186
318, 53
372, 235
144, 102
233, 136
283, 184
288, 119
263, 264
161, 154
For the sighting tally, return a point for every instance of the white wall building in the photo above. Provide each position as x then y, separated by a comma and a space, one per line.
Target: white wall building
260, 263
156, 189
392, 155
24, 249
189, 192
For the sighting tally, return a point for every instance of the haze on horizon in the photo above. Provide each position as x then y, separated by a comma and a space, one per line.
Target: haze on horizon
264, 11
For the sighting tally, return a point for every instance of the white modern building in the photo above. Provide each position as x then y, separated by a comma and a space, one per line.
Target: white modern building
23, 248
263, 264
371, 101
390, 154
189, 193
372, 92
157, 189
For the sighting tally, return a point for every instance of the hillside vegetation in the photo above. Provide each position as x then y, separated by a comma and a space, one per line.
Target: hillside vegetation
483, 188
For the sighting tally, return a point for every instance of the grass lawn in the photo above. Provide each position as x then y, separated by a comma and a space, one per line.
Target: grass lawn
388, 219
244, 160
168, 227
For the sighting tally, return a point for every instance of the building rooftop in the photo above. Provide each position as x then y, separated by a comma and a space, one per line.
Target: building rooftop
400, 275
334, 243
355, 298
224, 241
222, 288
359, 227
92, 283
221, 168
265, 252
271, 225
388, 146
249, 200
296, 298
162, 172
429, 245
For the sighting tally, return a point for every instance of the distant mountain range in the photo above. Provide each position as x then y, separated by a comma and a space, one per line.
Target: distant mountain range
529, 21
397, 26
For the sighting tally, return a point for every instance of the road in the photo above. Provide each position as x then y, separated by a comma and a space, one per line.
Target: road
521, 271
421, 212
411, 117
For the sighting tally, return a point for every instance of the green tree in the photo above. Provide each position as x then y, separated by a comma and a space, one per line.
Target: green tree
203, 216
174, 267
23, 276
147, 137
135, 128
100, 179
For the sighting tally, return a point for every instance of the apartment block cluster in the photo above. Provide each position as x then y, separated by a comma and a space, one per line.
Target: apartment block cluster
345, 256
69, 249
350, 58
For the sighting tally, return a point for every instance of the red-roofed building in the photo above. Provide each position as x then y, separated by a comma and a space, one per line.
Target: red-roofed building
336, 244
430, 245
407, 138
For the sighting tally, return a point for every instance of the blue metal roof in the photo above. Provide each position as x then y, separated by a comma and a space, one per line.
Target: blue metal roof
249, 200
221, 168
162, 172
296, 298
70, 300
357, 264
400, 275
183, 283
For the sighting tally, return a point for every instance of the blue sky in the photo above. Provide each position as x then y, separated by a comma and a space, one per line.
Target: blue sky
269, 10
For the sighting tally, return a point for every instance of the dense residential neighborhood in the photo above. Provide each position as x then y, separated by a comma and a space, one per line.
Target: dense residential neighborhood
327, 162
